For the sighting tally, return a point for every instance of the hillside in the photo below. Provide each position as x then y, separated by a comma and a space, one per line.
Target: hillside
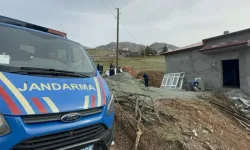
135, 47
129, 45
158, 46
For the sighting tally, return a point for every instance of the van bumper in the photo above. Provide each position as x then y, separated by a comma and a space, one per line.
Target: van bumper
101, 143
25, 133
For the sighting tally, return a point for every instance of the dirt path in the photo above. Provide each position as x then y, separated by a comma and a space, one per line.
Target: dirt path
194, 125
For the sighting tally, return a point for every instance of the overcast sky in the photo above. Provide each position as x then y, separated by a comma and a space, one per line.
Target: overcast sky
91, 23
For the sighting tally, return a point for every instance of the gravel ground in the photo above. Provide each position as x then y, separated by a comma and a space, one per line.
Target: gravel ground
124, 82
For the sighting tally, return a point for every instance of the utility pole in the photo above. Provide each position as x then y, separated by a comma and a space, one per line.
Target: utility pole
144, 53
117, 43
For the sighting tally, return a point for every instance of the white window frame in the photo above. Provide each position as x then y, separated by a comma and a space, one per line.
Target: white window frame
173, 80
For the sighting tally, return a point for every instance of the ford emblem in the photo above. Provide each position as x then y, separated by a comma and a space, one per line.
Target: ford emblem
71, 117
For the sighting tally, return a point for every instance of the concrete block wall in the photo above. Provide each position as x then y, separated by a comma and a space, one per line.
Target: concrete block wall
209, 66
244, 62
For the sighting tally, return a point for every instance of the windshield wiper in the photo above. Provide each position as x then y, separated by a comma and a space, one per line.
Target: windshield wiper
49, 71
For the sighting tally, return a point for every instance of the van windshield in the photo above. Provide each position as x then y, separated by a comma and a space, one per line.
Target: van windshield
27, 48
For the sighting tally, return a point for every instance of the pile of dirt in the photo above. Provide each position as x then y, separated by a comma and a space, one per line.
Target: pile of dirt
129, 70
155, 77
193, 125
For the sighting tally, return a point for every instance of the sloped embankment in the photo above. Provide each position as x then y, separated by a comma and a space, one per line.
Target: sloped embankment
187, 122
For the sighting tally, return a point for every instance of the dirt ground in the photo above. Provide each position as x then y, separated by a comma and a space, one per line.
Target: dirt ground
155, 77
190, 125
191, 121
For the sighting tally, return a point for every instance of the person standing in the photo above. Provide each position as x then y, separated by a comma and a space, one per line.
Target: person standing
101, 68
111, 70
111, 65
118, 70
98, 67
145, 76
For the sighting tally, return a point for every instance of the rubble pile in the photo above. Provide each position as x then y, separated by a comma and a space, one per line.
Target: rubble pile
240, 100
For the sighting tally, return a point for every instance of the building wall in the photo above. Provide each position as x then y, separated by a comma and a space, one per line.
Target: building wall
209, 66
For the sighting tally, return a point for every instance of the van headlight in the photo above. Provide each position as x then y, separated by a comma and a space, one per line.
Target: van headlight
111, 106
4, 127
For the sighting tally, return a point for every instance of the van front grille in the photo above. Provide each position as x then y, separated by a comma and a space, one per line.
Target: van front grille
62, 139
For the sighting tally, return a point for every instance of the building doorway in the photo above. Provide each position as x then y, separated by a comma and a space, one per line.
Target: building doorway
231, 73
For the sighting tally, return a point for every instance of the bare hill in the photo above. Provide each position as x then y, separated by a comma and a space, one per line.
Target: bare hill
135, 47
159, 46
131, 46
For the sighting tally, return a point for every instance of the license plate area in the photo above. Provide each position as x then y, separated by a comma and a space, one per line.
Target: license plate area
88, 147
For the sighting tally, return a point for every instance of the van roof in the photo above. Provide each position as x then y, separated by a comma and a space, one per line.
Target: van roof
16, 22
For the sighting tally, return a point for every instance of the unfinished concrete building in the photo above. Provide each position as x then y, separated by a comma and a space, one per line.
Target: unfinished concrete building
222, 61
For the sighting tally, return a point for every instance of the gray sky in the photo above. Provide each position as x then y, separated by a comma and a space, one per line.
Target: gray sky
178, 22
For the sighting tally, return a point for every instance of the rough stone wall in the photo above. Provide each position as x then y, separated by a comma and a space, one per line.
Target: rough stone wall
209, 66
